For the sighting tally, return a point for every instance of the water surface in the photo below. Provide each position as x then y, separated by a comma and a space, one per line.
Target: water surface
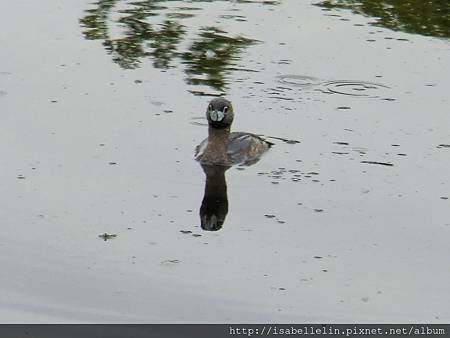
345, 219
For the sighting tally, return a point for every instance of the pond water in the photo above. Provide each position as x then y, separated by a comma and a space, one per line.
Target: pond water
346, 218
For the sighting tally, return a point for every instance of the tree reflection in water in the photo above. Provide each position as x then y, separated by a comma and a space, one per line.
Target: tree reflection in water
431, 17
154, 30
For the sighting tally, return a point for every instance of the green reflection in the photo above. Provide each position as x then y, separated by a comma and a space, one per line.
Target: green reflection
155, 29
211, 56
426, 17
140, 39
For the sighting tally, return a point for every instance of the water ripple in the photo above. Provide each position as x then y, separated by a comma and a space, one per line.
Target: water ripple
354, 88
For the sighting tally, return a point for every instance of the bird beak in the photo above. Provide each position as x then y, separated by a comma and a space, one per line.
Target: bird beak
217, 115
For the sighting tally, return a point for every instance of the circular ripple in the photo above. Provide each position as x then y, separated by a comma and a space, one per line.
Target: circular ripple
299, 80
355, 88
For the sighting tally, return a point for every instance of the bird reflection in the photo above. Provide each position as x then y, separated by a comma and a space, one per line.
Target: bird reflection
214, 207
217, 153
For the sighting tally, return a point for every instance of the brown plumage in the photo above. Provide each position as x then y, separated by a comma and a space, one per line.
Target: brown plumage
223, 147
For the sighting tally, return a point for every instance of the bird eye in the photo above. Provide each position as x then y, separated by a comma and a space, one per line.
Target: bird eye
225, 109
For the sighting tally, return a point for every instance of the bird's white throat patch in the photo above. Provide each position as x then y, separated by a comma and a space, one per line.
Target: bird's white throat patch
217, 115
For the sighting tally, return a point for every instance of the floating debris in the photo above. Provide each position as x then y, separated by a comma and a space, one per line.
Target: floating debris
170, 262
443, 146
107, 236
379, 163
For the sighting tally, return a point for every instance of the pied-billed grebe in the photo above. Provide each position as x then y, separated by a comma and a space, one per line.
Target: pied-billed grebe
224, 148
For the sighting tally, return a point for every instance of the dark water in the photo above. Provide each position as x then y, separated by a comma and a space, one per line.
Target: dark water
344, 219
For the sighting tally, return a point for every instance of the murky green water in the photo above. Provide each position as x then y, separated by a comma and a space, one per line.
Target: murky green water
344, 219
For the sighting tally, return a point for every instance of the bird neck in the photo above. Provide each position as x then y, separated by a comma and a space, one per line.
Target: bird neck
218, 138
216, 148
219, 132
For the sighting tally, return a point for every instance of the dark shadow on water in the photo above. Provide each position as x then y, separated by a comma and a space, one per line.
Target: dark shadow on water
431, 17
155, 29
